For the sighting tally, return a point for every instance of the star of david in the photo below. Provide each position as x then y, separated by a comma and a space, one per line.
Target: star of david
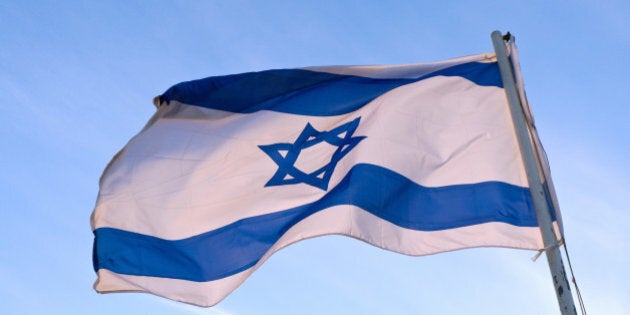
287, 174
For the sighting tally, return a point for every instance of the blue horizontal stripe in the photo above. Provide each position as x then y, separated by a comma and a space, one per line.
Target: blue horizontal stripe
240, 245
305, 92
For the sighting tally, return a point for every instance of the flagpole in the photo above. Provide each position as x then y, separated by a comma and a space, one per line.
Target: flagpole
552, 250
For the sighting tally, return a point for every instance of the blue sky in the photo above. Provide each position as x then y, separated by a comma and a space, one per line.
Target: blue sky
76, 83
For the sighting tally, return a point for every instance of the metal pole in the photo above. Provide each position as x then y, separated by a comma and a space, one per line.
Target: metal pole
554, 257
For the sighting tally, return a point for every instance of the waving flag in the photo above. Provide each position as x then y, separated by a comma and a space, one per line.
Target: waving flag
417, 159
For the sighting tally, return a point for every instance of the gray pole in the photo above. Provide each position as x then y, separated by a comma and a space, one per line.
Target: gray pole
554, 257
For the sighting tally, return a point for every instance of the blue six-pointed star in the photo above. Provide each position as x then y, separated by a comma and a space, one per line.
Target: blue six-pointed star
288, 174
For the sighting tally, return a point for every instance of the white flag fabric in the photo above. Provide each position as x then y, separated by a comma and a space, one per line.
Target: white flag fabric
416, 159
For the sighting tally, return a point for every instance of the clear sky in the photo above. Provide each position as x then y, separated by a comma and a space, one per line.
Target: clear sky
76, 83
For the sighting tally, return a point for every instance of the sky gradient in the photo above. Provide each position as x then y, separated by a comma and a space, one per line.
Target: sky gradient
77, 79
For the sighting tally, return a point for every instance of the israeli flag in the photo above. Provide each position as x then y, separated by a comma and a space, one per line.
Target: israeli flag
417, 159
